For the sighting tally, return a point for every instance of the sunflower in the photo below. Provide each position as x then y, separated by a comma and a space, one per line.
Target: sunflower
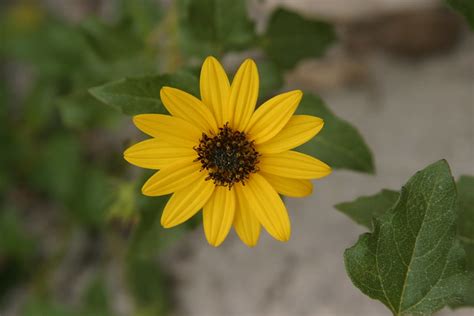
223, 156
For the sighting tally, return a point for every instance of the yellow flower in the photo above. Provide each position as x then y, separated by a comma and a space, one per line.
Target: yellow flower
221, 155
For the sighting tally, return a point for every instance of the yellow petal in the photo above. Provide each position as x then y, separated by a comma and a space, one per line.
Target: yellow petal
267, 206
273, 115
218, 215
215, 87
292, 164
184, 203
246, 224
155, 154
243, 96
289, 187
172, 178
299, 130
189, 108
170, 129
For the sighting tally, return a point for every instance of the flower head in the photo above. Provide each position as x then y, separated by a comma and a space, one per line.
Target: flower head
223, 156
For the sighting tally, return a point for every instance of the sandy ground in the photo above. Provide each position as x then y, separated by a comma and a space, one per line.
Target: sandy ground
411, 114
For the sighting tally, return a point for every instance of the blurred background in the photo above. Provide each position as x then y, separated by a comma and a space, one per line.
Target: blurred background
76, 236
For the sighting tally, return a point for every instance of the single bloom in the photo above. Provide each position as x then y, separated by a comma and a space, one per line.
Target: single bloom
223, 156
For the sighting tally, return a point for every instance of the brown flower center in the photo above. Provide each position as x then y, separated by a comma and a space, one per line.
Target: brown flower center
228, 156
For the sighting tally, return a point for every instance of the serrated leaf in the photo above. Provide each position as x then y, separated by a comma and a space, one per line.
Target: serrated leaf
140, 95
466, 229
412, 262
464, 7
339, 144
366, 208
290, 38
222, 25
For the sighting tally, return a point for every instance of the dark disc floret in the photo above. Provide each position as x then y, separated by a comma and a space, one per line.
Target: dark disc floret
229, 157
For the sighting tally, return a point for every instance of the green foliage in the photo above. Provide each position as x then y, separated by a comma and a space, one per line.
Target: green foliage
81, 111
94, 302
111, 42
66, 158
42, 307
221, 25
464, 7
339, 144
13, 238
271, 79
465, 187
149, 285
412, 261
92, 197
16, 249
38, 106
141, 15
365, 208
142, 95
57, 166
290, 38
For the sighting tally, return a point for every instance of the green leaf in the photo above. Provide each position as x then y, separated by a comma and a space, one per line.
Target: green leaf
14, 240
43, 307
142, 15
81, 111
124, 202
364, 209
290, 38
339, 144
110, 42
95, 301
466, 229
412, 262
271, 79
149, 285
57, 166
222, 25
51, 46
17, 250
39, 105
134, 96
93, 196
464, 7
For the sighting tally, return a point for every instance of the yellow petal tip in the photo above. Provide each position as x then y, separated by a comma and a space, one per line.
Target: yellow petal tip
249, 61
138, 119
165, 224
214, 243
250, 245
211, 60
164, 89
285, 237
146, 190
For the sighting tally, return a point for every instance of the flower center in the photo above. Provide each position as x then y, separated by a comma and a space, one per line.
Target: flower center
228, 156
